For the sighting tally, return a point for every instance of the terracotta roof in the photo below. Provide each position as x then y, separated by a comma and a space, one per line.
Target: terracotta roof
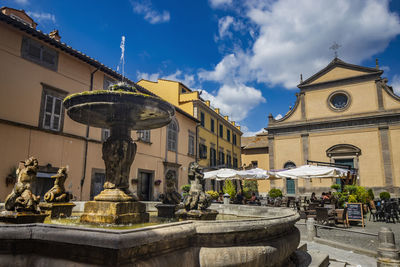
81, 56
258, 141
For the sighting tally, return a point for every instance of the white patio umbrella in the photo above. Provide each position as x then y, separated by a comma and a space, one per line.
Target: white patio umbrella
312, 171
222, 174
255, 174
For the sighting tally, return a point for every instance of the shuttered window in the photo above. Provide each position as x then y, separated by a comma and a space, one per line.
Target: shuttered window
52, 113
36, 52
172, 136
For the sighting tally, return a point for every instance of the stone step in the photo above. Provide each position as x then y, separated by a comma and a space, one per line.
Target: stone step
319, 259
337, 264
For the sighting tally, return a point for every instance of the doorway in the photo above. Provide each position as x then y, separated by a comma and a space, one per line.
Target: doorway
290, 187
345, 161
145, 188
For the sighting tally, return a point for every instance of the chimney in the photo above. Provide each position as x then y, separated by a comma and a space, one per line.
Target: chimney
216, 110
233, 123
55, 35
207, 103
226, 118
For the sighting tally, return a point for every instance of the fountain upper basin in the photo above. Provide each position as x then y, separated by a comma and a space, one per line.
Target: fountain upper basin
104, 109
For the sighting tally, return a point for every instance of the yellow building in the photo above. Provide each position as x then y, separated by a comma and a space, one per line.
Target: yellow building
37, 71
255, 155
218, 138
344, 114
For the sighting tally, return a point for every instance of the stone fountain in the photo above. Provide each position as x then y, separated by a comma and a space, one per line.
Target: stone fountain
257, 236
120, 109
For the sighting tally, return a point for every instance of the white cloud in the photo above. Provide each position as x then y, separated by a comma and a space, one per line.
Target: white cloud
396, 84
42, 16
228, 23
235, 100
186, 79
151, 15
220, 3
278, 117
147, 76
294, 37
247, 133
21, 2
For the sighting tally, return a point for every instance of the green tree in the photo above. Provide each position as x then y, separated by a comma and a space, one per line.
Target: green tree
275, 192
229, 189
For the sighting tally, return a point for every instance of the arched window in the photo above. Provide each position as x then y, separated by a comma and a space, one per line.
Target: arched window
289, 165
172, 136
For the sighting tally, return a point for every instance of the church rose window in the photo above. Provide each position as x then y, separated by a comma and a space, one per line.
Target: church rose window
339, 100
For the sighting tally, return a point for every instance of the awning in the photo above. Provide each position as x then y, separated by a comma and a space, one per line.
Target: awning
312, 171
223, 174
254, 174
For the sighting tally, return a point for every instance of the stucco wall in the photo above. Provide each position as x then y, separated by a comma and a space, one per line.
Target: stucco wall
370, 160
363, 99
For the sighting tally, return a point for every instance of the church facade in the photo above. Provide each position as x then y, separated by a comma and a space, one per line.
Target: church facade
345, 114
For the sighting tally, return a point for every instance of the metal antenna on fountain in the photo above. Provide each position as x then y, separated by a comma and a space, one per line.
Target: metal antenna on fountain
335, 47
122, 59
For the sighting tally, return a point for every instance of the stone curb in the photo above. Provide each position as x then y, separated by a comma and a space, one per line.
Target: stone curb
335, 244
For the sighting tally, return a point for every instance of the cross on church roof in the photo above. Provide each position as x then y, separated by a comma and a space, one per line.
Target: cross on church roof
335, 47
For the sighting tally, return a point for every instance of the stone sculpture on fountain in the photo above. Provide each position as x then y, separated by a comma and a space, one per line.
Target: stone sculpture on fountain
170, 199
21, 204
197, 201
57, 199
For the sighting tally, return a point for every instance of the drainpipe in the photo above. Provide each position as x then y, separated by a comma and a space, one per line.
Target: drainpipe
86, 140
197, 142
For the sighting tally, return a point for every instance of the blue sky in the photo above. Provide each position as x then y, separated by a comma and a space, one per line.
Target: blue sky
245, 56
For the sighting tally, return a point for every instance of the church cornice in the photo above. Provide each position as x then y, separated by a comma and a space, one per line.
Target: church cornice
271, 118
336, 62
340, 82
375, 119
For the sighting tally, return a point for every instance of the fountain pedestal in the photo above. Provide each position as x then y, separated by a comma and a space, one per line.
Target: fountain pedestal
57, 210
114, 212
116, 204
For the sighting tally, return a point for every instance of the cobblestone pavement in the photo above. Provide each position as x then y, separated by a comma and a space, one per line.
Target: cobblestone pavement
360, 239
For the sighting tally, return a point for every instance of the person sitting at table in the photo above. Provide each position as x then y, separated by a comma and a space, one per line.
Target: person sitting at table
313, 197
239, 198
254, 199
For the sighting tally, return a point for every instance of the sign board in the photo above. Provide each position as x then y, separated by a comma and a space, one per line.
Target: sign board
355, 212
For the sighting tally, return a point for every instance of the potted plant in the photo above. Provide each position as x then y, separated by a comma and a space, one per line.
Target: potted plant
157, 182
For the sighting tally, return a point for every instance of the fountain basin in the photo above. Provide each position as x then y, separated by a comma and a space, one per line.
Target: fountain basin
266, 241
104, 108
